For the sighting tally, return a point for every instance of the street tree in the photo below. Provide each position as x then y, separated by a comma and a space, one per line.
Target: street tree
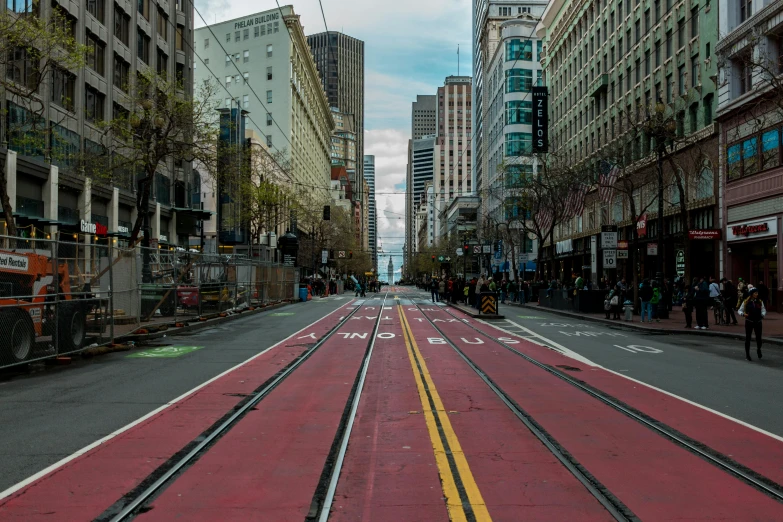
36, 48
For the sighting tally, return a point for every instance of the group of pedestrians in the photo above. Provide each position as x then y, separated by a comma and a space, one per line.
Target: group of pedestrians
457, 290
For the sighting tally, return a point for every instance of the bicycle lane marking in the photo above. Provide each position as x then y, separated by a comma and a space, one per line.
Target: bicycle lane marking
463, 498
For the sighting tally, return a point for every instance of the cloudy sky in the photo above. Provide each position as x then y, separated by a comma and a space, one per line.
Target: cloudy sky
410, 47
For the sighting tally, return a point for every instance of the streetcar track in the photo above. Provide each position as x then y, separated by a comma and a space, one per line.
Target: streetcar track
138, 500
321, 505
606, 498
723, 462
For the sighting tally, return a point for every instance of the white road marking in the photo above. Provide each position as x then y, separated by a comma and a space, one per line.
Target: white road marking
549, 343
62, 462
569, 353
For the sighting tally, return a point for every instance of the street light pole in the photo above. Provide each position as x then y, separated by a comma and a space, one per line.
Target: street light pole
663, 310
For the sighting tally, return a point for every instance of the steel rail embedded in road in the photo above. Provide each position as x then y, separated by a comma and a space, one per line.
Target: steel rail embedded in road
721, 461
320, 510
131, 509
611, 503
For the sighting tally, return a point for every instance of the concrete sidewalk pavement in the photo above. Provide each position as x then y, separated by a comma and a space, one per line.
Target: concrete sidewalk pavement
773, 323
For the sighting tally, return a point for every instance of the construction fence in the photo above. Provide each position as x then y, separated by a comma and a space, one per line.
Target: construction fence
58, 297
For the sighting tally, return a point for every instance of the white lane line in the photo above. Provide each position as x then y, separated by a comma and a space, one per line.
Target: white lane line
62, 462
549, 343
569, 353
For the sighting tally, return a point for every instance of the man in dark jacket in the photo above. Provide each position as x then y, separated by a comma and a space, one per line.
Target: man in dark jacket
702, 302
730, 300
434, 290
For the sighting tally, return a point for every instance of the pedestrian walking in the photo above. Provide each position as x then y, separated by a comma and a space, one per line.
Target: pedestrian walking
616, 301
754, 311
689, 300
730, 300
655, 300
645, 295
434, 290
702, 302
441, 289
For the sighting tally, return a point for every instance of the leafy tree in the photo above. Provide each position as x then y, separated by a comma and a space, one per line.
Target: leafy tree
34, 50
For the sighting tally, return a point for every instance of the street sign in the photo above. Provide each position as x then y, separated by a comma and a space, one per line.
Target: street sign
459, 252
679, 263
486, 249
476, 249
324, 257
608, 228
524, 258
610, 258
448, 259
622, 254
341, 254
652, 249
441, 259
608, 240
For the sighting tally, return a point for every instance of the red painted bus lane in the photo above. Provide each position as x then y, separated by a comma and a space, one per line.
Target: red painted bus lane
84, 487
518, 477
390, 473
268, 465
656, 479
750, 448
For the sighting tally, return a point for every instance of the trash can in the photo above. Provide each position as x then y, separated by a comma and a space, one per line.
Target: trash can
303, 294
628, 309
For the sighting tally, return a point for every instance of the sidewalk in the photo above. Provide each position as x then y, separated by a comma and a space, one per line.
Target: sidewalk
773, 323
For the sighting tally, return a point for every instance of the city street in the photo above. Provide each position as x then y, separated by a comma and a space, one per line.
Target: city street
392, 407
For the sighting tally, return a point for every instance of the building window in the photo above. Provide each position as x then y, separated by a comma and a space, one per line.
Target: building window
708, 109
246, 34
179, 72
228, 80
228, 37
695, 70
268, 119
246, 76
770, 145
647, 62
180, 31
277, 26
269, 140
749, 153
745, 75
22, 68
269, 96
269, 51
245, 101
669, 88
746, 9
121, 26
97, 9
206, 43
143, 46
95, 53
237, 36
268, 73
162, 64
256, 32
93, 105
121, 73
63, 87
681, 79
681, 36
519, 112
638, 30
694, 117
143, 7
163, 25
669, 44
694, 22
519, 80
518, 143
245, 56
519, 50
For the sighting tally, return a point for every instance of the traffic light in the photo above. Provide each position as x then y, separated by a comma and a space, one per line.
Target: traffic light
466, 247
433, 259
327, 212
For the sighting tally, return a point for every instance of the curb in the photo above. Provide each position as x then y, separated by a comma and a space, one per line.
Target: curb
197, 325
625, 324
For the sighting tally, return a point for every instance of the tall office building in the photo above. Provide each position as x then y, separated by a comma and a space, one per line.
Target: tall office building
340, 61
50, 190
369, 175
424, 116
264, 62
487, 17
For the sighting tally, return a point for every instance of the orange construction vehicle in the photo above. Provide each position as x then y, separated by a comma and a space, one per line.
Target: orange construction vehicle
31, 306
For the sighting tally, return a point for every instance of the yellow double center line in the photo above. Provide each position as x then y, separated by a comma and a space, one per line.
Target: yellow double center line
463, 498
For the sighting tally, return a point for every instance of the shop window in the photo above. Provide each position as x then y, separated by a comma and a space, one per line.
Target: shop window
749, 156
770, 147
734, 163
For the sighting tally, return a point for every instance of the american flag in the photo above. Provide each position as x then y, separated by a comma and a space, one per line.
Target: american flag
608, 178
579, 205
544, 219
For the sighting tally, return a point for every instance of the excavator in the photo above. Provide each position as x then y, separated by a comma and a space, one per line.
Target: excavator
31, 307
